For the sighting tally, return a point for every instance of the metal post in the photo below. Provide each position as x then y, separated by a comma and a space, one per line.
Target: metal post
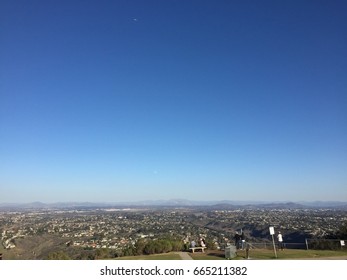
306, 243
273, 242
247, 251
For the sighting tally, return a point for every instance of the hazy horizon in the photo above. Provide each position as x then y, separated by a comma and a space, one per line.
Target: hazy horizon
180, 202
133, 100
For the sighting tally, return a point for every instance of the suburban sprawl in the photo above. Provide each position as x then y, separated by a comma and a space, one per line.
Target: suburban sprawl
82, 232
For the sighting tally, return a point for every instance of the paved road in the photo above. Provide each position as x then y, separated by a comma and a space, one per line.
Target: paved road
184, 256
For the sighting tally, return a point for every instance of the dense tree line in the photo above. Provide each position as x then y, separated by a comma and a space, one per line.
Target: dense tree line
141, 247
159, 246
342, 232
332, 241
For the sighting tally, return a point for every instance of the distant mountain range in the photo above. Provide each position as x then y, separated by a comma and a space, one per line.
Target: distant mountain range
224, 204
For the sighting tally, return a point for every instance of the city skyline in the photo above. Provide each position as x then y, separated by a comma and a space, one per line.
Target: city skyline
118, 101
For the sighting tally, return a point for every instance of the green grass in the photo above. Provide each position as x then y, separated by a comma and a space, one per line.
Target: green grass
265, 254
208, 255
169, 256
256, 254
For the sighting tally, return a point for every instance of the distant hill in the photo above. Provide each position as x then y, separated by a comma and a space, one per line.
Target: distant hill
228, 206
217, 205
325, 204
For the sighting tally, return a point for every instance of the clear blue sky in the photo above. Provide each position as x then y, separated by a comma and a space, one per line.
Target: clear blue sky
205, 100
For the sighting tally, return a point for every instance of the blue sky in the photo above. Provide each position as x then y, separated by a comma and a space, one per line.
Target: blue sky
205, 100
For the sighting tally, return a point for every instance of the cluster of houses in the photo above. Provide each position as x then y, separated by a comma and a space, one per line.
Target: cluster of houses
119, 228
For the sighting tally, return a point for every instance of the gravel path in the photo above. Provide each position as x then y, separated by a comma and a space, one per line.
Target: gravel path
185, 256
